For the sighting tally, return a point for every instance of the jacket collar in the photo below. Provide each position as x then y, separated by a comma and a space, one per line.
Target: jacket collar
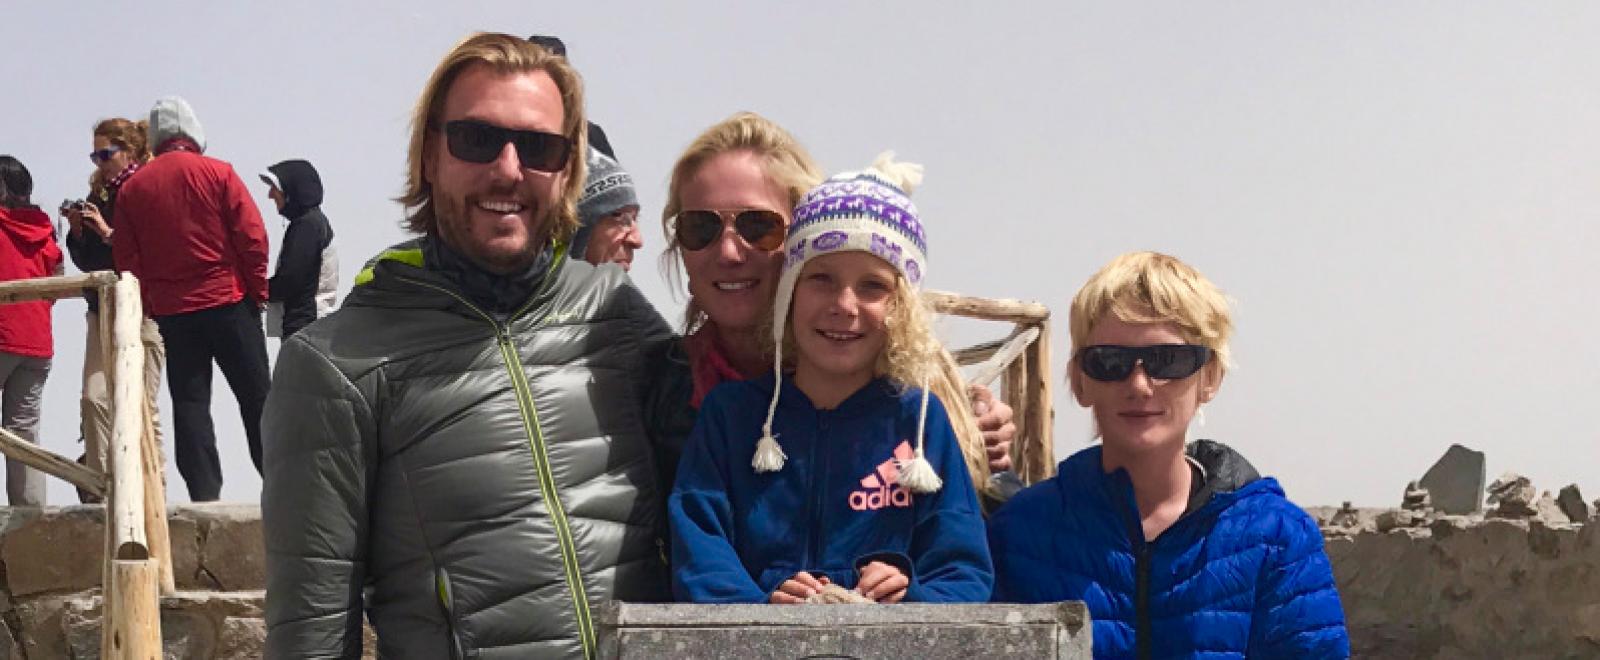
410, 276
1225, 477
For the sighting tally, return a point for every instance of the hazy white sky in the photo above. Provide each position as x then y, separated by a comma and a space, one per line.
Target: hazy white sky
1403, 198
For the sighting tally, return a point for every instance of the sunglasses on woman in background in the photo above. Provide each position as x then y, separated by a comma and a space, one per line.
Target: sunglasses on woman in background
759, 228
99, 156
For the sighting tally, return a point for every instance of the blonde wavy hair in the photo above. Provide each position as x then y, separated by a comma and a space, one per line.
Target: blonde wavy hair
786, 162
505, 54
1150, 287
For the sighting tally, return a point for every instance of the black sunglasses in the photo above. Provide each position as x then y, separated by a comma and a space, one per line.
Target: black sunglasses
479, 142
760, 228
99, 156
1110, 364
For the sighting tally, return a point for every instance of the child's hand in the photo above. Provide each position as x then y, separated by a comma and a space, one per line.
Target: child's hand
882, 583
797, 589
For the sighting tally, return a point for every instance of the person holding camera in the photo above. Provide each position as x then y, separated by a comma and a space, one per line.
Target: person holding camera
121, 147
27, 250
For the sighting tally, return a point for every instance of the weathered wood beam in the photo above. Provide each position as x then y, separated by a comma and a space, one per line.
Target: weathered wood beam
991, 309
52, 288
48, 462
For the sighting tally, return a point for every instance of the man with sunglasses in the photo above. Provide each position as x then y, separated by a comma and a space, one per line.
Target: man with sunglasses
464, 451
1177, 548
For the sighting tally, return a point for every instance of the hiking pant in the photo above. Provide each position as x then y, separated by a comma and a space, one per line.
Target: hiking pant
95, 401
21, 389
231, 336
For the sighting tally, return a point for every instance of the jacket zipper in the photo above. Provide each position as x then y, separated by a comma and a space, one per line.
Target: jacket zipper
814, 551
1141, 600
536, 444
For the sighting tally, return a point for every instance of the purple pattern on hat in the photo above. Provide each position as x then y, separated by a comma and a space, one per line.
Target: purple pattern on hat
829, 241
797, 252
902, 220
885, 250
913, 272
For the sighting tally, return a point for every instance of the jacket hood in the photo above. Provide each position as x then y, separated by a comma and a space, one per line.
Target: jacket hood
173, 118
1225, 476
409, 275
301, 186
27, 227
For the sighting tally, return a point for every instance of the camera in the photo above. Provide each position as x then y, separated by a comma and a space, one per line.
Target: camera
68, 205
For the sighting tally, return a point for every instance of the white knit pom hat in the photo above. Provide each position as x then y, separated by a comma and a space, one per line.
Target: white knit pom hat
866, 211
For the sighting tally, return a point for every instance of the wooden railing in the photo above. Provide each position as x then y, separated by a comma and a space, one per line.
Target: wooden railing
138, 568
1022, 361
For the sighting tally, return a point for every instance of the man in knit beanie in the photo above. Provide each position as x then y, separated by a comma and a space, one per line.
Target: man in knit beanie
608, 215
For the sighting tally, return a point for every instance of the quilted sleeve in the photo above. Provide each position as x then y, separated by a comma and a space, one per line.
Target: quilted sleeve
1297, 611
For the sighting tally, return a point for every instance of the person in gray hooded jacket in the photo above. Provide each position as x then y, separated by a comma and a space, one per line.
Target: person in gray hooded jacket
463, 451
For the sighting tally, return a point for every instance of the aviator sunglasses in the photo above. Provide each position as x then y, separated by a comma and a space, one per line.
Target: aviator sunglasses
479, 142
762, 229
1110, 364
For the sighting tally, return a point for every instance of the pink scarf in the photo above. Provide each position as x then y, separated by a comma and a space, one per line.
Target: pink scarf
708, 362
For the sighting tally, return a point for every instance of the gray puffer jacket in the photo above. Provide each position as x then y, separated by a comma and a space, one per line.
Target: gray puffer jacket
477, 488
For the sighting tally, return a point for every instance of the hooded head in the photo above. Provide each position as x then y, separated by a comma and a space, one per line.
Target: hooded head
16, 183
607, 189
173, 118
300, 185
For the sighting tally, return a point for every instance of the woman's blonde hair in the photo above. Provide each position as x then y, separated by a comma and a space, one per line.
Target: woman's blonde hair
785, 161
1149, 287
505, 54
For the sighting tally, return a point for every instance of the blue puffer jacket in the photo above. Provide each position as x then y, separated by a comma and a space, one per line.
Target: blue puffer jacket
1241, 574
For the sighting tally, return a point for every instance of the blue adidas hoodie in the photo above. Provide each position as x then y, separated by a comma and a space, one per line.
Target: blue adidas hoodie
835, 505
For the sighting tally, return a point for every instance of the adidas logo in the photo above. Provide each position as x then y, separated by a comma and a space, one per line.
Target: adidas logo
882, 487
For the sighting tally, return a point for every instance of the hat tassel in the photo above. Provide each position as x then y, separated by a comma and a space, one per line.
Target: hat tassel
769, 456
917, 474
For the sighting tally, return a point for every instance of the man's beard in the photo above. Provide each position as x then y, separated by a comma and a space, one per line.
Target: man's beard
455, 229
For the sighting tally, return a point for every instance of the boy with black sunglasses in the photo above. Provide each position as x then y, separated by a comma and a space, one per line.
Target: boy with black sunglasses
1176, 547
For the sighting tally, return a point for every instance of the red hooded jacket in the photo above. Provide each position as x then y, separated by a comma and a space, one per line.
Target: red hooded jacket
187, 228
27, 249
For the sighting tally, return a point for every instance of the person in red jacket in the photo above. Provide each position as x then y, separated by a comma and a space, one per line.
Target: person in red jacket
187, 228
27, 250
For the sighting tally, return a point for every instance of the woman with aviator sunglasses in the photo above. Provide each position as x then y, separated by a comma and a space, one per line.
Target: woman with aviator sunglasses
1176, 547
727, 212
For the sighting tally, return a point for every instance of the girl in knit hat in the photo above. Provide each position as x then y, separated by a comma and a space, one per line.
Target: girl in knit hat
839, 467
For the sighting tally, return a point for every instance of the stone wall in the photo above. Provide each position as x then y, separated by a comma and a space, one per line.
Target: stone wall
1467, 587
1427, 586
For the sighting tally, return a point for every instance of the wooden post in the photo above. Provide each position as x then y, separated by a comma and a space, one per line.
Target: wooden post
108, 607
135, 631
48, 462
1041, 409
1016, 388
127, 409
153, 465
131, 612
